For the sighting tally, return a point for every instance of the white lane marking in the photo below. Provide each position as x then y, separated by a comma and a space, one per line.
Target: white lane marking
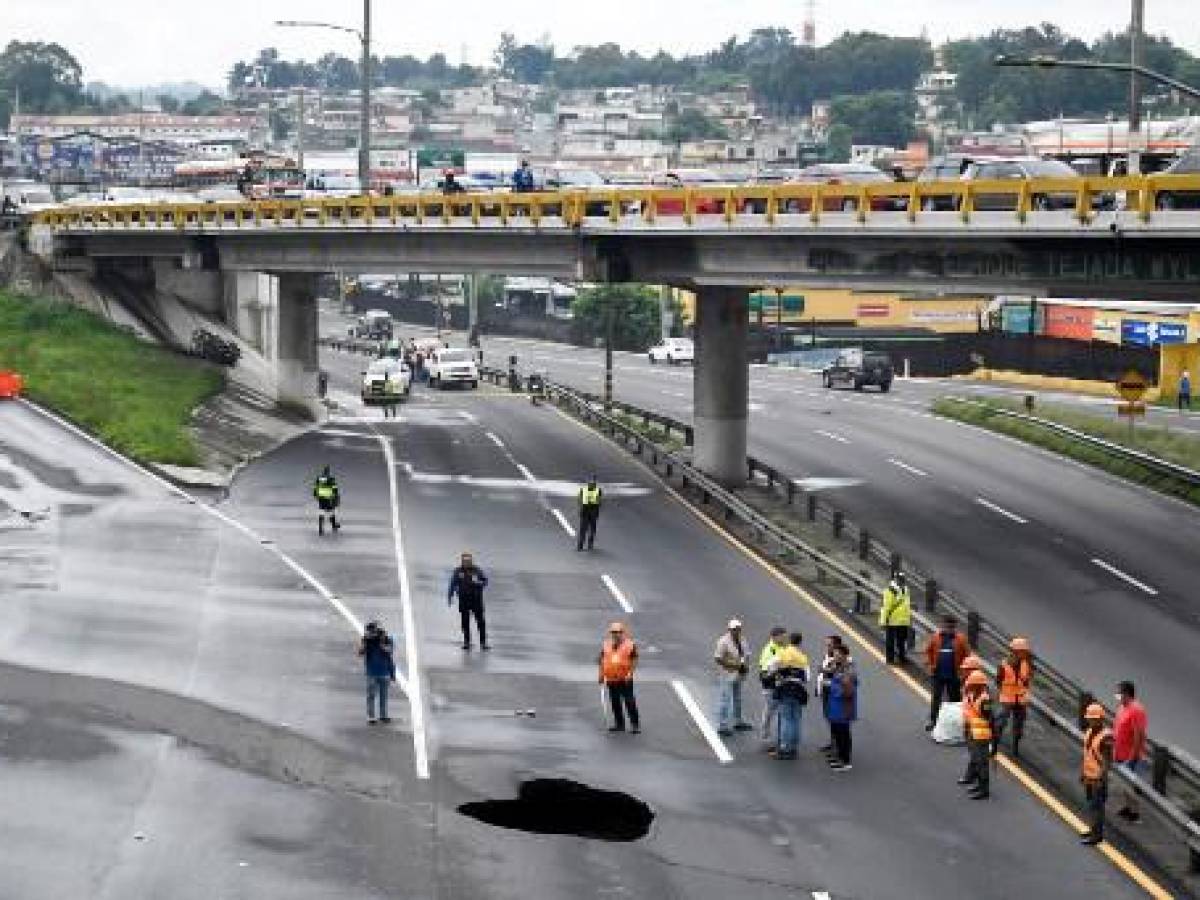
495, 440
833, 437
616, 592
706, 729
821, 895
900, 464
268, 545
1001, 510
1129, 579
562, 520
415, 702
524, 471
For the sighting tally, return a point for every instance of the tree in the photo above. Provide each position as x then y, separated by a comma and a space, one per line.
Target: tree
635, 310
880, 117
168, 103
838, 141
692, 125
48, 78
206, 103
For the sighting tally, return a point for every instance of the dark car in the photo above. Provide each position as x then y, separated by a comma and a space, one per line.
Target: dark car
1023, 168
1188, 164
858, 368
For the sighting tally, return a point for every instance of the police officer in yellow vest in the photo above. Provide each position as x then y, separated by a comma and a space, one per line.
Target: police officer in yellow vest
895, 615
329, 497
590, 496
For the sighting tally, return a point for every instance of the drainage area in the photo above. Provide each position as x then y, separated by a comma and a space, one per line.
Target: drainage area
562, 806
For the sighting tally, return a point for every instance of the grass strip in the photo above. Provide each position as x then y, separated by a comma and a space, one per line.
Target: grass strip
1184, 450
136, 397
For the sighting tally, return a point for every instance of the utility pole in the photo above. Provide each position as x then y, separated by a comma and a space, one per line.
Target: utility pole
1136, 40
364, 133
141, 139
300, 131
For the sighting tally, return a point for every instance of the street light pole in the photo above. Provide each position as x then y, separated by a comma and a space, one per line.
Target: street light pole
1136, 40
364, 129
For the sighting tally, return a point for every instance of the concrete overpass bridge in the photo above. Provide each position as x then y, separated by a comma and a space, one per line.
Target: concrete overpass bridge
1095, 237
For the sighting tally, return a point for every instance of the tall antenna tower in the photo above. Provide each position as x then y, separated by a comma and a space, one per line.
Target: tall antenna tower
808, 35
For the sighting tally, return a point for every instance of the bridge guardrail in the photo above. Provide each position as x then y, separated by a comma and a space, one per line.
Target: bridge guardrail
1173, 789
1146, 460
795, 204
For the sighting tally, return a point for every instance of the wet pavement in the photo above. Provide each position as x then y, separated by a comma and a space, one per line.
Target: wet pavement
181, 710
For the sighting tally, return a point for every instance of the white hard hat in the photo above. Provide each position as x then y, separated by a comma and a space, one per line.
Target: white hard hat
735, 623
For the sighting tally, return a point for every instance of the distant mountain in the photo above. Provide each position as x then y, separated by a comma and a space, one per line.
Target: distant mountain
182, 91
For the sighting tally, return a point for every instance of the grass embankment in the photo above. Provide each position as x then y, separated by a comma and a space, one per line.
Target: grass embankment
1174, 446
136, 397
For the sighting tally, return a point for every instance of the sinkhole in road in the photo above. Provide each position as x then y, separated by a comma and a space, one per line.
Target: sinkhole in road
562, 806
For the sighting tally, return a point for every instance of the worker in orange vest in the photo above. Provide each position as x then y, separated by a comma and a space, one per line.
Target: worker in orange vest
971, 663
944, 654
977, 728
1014, 678
618, 660
1097, 760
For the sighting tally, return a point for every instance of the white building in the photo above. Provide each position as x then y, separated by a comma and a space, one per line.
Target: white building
150, 126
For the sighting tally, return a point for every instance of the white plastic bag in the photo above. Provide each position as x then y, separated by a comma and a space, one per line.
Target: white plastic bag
949, 727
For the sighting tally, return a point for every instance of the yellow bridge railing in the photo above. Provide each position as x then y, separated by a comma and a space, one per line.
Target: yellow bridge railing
943, 202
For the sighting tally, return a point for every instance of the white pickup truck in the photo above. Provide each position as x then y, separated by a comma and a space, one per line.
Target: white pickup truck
452, 365
387, 380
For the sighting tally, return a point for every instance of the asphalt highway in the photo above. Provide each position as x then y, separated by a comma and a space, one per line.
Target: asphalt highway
1099, 573
181, 711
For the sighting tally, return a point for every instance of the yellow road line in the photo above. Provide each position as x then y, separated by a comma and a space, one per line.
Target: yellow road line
1127, 866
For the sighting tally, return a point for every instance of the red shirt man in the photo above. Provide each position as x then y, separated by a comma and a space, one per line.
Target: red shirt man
1129, 743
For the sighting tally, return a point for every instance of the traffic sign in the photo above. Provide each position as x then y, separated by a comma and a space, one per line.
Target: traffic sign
1132, 385
1131, 409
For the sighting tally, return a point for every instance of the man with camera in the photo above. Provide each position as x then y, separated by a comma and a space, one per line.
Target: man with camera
375, 648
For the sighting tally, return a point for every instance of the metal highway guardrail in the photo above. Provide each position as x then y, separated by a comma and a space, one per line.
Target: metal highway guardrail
794, 205
1172, 794
1147, 461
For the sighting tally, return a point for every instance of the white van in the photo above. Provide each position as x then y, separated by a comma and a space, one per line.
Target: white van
452, 365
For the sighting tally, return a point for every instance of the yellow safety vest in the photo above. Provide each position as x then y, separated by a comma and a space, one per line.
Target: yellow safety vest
589, 496
325, 490
897, 608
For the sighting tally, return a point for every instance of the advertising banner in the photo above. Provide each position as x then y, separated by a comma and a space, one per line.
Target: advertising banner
1075, 322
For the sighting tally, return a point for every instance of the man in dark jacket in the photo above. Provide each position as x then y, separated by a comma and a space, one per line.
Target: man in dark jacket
467, 583
522, 180
375, 648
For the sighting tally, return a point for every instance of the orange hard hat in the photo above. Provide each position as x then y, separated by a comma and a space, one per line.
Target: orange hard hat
976, 679
971, 663
1019, 643
1094, 712
616, 626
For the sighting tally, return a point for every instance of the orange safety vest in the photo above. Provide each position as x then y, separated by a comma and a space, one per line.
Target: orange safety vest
978, 726
1093, 759
616, 662
1014, 682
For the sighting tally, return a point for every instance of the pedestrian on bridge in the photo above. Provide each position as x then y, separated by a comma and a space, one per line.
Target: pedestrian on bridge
792, 674
977, 729
945, 652
1014, 677
467, 582
329, 498
1129, 744
732, 668
1097, 761
1184, 396
895, 616
375, 647
767, 678
618, 660
590, 497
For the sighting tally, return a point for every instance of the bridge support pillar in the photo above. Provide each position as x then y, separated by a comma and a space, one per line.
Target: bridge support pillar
296, 362
721, 387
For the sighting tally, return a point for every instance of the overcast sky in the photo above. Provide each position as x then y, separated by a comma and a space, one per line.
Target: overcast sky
131, 42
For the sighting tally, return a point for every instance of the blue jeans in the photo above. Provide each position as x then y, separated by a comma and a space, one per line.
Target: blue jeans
729, 702
790, 713
377, 686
